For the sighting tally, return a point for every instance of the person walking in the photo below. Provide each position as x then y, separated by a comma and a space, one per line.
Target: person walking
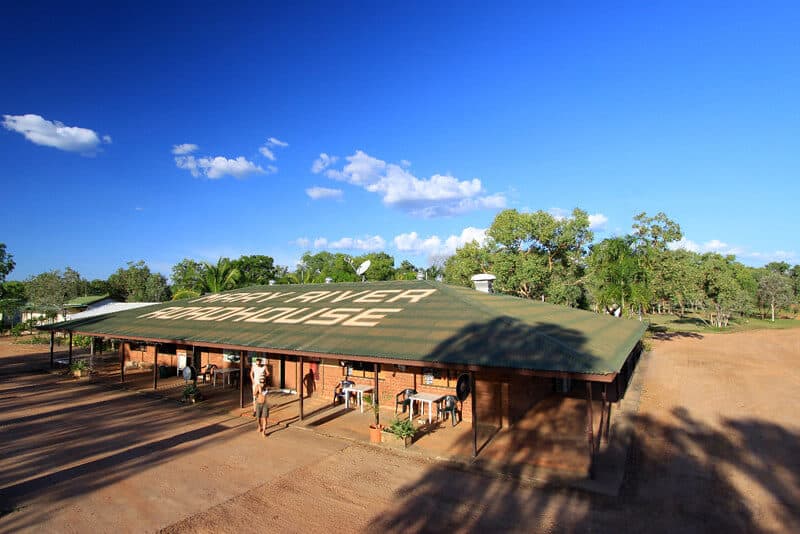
258, 374
262, 408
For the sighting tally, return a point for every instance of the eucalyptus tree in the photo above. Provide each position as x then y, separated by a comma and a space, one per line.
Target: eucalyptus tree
7, 264
539, 255
775, 290
137, 283
187, 274
255, 270
469, 260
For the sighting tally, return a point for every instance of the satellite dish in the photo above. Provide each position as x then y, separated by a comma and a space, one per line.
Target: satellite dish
363, 268
463, 387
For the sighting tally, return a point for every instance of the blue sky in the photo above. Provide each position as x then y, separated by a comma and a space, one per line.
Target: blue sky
202, 130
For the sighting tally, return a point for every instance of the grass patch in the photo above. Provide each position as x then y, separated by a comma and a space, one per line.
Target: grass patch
693, 323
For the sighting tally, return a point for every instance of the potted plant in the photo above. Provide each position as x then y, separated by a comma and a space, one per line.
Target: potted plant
191, 393
376, 427
400, 433
79, 369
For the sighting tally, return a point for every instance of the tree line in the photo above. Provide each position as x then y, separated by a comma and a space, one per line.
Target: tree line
48, 292
541, 256
534, 255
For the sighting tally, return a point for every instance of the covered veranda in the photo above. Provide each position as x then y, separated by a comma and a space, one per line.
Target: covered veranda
577, 360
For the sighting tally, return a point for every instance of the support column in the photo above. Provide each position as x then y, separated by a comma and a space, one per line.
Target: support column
155, 368
300, 386
589, 428
91, 347
122, 362
52, 344
242, 355
474, 415
70, 348
607, 426
376, 395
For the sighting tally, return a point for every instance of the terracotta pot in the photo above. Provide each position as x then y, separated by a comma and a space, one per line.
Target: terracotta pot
375, 433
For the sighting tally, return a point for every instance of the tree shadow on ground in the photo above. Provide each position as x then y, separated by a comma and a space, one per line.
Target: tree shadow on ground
100, 440
681, 476
669, 336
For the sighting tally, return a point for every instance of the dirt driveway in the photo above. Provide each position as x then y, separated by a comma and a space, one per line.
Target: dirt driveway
717, 448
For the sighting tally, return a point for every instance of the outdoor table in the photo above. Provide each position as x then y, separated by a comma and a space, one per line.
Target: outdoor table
426, 398
227, 375
359, 391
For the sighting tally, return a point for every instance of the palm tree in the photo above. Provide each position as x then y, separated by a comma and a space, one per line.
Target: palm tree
219, 277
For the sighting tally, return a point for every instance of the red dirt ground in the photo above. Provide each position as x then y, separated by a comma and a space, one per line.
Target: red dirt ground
716, 448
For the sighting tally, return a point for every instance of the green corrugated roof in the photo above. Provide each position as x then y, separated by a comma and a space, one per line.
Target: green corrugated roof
403, 320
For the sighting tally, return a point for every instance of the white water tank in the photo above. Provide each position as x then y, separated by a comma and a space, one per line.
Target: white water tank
483, 282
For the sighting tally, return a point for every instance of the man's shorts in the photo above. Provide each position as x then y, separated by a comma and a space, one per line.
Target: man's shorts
262, 410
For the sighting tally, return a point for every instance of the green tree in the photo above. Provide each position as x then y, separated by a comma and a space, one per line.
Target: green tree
98, 287
137, 283
187, 274
468, 260
381, 265
540, 255
651, 239
12, 300
255, 270
316, 267
220, 277
775, 290
406, 271
46, 291
7, 265
616, 274
720, 286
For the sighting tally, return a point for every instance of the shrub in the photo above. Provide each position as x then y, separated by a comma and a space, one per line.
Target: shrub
18, 329
79, 365
402, 428
81, 341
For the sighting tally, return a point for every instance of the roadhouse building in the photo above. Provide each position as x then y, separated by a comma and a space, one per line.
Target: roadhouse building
392, 335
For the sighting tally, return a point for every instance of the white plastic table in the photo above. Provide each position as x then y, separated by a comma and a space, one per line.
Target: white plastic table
227, 375
424, 398
359, 391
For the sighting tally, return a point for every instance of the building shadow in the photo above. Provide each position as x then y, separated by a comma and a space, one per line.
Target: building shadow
681, 476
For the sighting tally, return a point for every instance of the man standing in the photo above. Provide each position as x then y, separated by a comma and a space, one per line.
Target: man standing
262, 408
258, 374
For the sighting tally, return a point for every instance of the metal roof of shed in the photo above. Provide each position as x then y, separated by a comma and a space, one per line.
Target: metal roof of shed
419, 321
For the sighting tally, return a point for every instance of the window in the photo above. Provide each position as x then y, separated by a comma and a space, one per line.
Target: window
362, 369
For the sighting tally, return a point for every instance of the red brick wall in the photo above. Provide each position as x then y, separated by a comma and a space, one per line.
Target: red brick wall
502, 397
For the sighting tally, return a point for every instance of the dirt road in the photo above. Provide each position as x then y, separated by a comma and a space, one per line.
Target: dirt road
717, 448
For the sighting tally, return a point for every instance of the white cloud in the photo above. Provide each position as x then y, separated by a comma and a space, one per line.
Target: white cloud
597, 221
323, 192
374, 242
320, 242
439, 195
43, 132
435, 246
266, 149
301, 242
107, 139
185, 148
322, 162
219, 166
267, 153
276, 142
715, 245
685, 244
